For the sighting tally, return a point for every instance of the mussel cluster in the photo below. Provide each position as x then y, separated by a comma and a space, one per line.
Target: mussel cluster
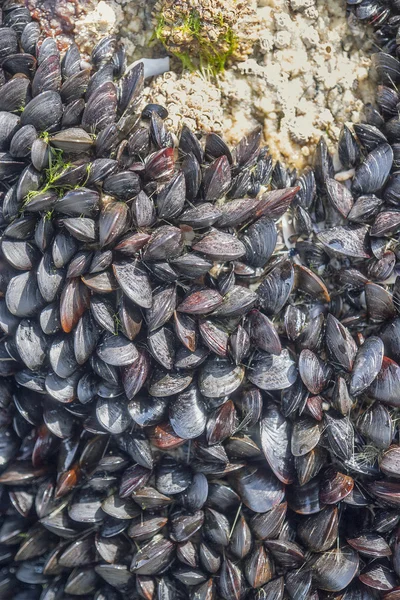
199, 357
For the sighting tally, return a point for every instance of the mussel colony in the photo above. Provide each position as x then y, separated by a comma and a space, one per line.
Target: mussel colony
199, 360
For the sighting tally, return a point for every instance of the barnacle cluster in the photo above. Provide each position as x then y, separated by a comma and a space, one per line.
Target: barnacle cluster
205, 34
200, 350
84, 22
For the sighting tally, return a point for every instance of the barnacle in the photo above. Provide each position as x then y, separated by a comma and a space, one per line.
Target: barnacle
205, 35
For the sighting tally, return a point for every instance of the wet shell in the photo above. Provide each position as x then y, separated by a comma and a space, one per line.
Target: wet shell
218, 378
275, 433
220, 246
271, 372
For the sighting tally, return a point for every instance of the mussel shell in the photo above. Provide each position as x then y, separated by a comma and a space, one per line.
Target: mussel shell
218, 378
23, 298
270, 372
319, 531
275, 434
259, 491
276, 288
187, 414
43, 112
334, 570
